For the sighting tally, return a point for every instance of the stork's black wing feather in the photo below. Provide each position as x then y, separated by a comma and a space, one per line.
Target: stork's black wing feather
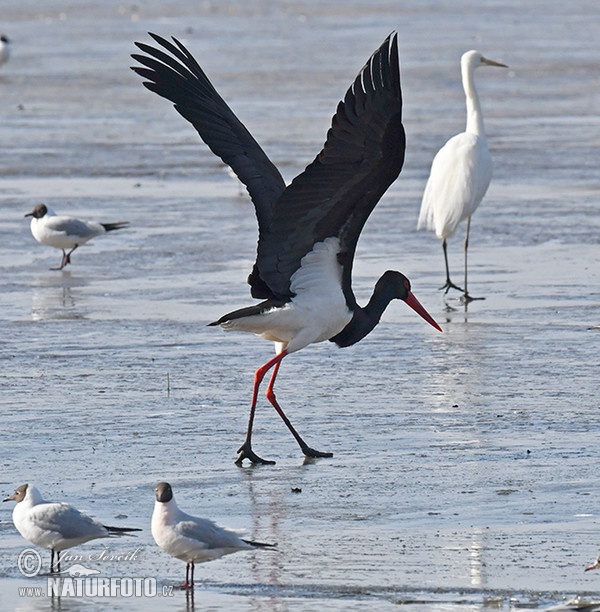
179, 78
334, 196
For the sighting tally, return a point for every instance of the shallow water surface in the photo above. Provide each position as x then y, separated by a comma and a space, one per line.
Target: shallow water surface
464, 475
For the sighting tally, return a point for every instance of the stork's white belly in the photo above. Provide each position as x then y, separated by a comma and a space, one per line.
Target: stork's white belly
316, 313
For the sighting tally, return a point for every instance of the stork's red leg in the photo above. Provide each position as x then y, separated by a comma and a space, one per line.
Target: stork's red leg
245, 451
307, 450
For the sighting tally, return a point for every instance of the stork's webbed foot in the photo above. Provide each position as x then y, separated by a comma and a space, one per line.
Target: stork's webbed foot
311, 452
245, 452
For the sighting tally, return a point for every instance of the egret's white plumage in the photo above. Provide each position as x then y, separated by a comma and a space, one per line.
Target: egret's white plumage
62, 232
461, 171
55, 526
189, 538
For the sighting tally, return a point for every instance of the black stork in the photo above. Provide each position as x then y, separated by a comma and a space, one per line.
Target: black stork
308, 230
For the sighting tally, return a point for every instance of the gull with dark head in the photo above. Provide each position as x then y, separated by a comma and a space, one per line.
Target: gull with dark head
54, 525
62, 232
189, 538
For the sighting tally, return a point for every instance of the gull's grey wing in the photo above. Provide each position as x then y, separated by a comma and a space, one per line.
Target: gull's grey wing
65, 520
209, 534
73, 227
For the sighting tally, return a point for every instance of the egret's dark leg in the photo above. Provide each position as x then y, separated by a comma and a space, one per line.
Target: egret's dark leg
245, 451
449, 284
307, 450
466, 297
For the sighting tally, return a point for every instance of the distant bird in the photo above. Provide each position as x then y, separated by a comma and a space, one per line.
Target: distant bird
189, 538
63, 232
4, 49
460, 173
56, 526
308, 231
595, 565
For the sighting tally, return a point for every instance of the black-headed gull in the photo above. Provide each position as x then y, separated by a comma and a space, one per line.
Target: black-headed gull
4, 49
56, 526
62, 232
189, 538
595, 565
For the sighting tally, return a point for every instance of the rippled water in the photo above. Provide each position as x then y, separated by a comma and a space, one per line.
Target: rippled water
465, 473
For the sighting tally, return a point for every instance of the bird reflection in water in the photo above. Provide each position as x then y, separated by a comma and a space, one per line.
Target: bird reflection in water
53, 298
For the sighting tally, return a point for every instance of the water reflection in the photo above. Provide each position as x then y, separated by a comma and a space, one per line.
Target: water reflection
54, 297
476, 562
266, 567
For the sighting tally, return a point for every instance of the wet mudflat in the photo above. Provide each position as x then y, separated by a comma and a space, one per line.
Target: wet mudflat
465, 473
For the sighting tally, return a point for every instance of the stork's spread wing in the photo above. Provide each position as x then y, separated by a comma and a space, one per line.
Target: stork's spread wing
335, 195
179, 78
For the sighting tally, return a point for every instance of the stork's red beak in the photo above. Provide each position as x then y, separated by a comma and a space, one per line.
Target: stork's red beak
412, 301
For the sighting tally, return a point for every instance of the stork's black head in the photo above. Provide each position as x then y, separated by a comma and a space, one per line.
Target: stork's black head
393, 284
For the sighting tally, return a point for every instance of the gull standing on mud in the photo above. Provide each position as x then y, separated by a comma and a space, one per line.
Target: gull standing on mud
460, 173
189, 538
56, 526
308, 230
62, 232
4, 49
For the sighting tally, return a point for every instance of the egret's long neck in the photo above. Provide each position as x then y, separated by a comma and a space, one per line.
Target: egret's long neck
474, 116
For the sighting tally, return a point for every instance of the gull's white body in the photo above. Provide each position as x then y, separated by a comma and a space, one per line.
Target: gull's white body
4, 49
62, 232
54, 526
190, 538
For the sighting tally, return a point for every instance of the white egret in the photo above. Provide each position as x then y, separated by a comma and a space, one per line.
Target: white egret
460, 173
